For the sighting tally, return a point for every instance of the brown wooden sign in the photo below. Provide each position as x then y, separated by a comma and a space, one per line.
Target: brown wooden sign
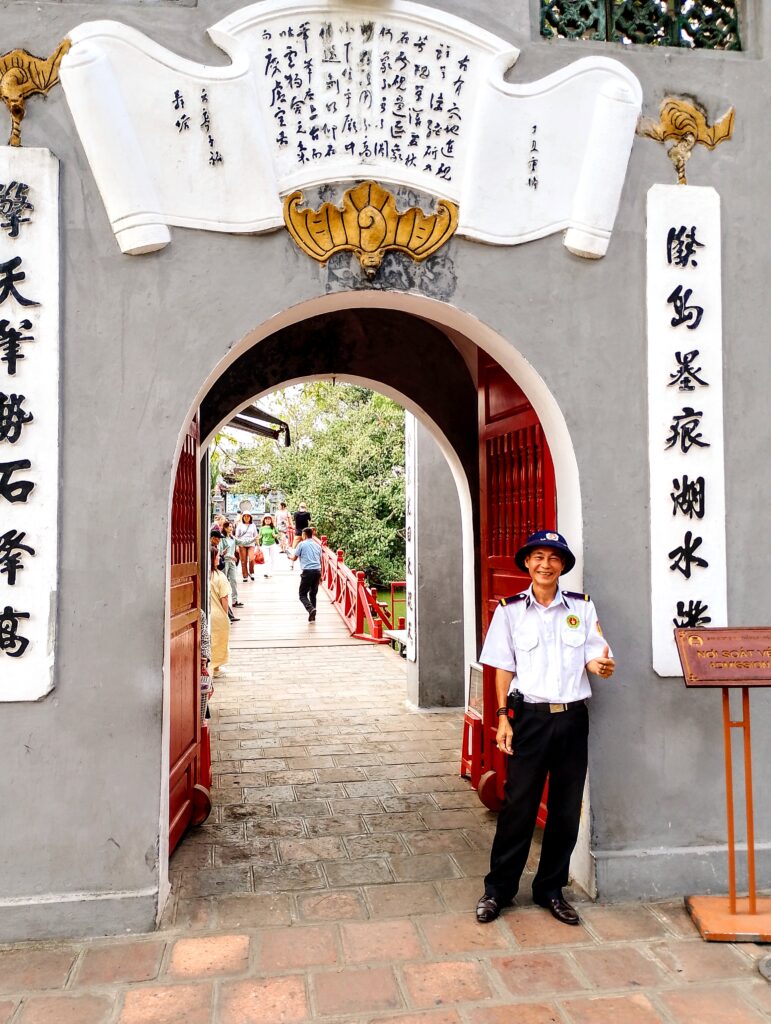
725, 657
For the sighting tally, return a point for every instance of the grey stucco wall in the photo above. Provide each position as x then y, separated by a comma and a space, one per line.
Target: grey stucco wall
437, 678
80, 772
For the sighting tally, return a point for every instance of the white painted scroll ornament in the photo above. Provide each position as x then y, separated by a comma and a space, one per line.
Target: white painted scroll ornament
29, 420
325, 91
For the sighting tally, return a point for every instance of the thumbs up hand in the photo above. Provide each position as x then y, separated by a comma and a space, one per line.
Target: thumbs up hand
604, 666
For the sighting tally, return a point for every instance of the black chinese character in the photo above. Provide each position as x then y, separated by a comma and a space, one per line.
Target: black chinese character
685, 375
689, 497
685, 314
684, 557
12, 417
14, 492
681, 247
11, 547
10, 641
13, 205
10, 343
179, 100
693, 616
684, 428
8, 280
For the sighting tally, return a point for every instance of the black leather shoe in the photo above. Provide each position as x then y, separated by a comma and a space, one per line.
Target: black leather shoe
559, 908
488, 909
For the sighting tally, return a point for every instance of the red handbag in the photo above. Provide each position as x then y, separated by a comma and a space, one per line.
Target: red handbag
259, 558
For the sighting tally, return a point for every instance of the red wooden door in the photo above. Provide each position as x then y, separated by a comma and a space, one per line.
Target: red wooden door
518, 496
185, 652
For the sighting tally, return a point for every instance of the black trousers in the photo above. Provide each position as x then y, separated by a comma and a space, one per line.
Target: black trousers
309, 587
543, 743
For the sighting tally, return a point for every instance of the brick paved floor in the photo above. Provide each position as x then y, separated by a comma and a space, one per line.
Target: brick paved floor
336, 881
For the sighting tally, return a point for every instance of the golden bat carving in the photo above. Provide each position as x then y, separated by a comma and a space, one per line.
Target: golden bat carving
687, 125
23, 75
368, 224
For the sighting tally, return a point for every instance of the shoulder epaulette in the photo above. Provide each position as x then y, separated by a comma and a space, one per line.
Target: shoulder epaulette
515, 597
577, 597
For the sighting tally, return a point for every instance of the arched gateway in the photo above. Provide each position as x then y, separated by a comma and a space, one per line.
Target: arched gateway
439, 364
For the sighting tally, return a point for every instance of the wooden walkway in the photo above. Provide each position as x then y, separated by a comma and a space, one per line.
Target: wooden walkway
272, 616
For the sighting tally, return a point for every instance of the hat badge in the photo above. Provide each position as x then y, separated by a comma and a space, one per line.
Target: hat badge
552, 536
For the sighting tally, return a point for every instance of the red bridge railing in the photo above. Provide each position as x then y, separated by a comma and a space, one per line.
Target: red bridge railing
356, 603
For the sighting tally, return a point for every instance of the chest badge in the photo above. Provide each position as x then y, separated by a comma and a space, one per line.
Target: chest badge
573, 621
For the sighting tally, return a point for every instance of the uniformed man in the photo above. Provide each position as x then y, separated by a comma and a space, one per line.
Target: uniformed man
541, 643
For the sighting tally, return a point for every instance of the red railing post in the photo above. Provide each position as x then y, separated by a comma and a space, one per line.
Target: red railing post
340, 580
359, 607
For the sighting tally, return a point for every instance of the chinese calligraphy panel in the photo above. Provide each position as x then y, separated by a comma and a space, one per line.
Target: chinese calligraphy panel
347, 89
685, 405
29, 420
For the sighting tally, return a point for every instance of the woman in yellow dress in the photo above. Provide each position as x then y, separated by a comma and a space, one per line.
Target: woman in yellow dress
219, 595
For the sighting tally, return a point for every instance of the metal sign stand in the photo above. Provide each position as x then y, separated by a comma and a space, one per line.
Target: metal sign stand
712, 657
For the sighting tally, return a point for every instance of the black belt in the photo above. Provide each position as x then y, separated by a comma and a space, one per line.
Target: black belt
545, 708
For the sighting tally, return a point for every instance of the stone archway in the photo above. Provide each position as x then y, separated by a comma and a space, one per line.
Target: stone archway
371, 339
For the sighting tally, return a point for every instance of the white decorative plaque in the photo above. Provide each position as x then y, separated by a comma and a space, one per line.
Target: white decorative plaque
685, 405
410, 530
29, 420
328, 91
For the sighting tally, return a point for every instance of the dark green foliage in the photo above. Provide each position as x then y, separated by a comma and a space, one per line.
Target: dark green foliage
346, 463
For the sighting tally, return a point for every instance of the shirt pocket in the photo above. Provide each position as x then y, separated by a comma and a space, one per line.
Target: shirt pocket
573, 642
526, 649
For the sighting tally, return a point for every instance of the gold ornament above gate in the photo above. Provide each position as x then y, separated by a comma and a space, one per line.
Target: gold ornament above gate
686, 125
368, 224
23, 75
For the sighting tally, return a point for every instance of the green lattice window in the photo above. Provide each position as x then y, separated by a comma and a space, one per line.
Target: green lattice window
709, 24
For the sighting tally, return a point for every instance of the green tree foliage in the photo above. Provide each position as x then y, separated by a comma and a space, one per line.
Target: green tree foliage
346, 462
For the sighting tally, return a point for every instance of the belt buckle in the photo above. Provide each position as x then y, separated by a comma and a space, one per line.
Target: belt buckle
554, 708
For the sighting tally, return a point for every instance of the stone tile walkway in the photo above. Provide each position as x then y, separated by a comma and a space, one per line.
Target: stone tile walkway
336, 879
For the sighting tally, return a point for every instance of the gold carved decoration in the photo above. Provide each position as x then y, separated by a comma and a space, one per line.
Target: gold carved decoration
368, 224
23, 75
687, 125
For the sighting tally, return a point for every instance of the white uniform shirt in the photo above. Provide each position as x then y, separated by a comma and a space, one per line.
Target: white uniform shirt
546, 648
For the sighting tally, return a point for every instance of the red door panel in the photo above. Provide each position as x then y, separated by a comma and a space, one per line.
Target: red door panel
518, 496
185, 647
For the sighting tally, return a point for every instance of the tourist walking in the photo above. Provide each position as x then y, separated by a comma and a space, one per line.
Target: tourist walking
217, 522
308, 553
246, 538
215, 536
541, 644
219, 624
227, 550
268, 540
302, 520
282, 522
